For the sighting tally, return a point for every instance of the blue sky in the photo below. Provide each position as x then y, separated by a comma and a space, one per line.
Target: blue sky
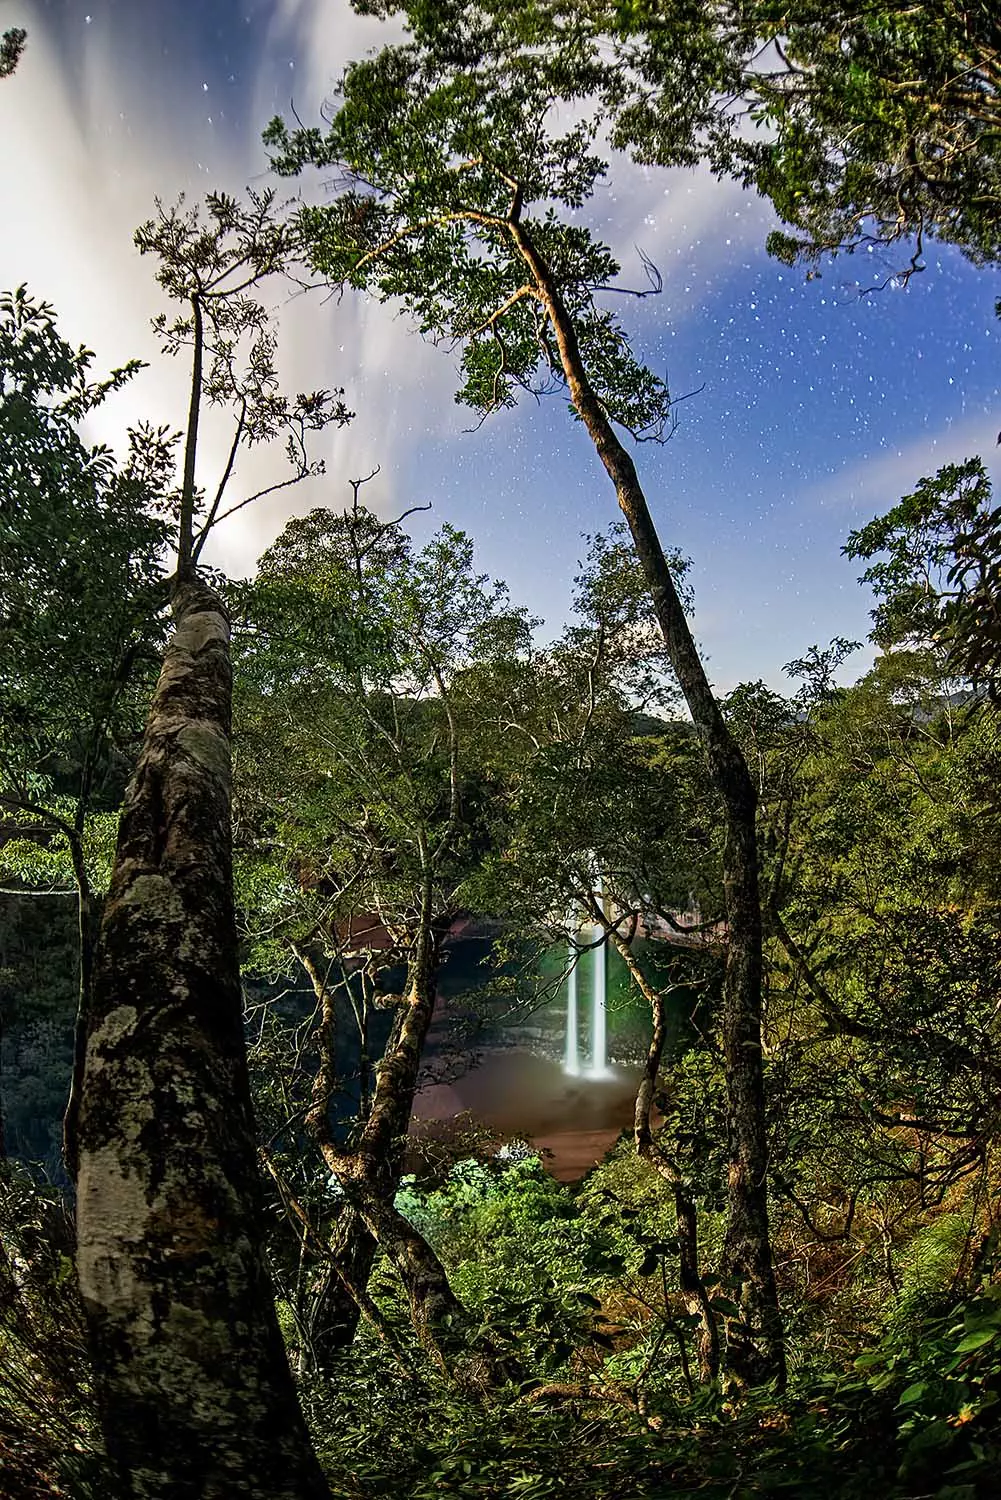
819, 405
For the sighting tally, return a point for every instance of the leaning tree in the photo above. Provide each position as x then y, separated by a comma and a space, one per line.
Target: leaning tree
608, 829
456, 191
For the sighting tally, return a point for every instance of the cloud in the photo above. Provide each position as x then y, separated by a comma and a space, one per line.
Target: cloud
91, 134
97, 122
693, 226
101, 117
877, 481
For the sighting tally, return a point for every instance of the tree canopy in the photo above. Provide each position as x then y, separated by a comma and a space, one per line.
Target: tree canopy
881, 126
11, 47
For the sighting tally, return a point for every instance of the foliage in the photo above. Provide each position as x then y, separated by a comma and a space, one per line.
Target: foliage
447, 156
11, 48
347, 675
878, 817
212, 260
361, 809
80, 544
519, 1252
870, 125
406, 746
48, 1440
376, 1434
940, 581
918, 1402
879, 123
38, 942
593, 786
945, 1372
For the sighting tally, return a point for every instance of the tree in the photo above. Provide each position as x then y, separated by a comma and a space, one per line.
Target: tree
190, 1371
80, 570
11, 47
880, 124
362, 826
938, 586
608, 829
879, 843
440, 148
874, 124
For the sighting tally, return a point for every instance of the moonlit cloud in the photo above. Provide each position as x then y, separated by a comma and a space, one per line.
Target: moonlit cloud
877, 482
95, 129
93, 135
104, 115
693, 228
812, 410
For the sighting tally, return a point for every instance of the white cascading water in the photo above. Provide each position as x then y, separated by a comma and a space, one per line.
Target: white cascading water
571, 1060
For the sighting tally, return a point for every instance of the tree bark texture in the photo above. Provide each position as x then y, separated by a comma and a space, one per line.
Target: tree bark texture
190, 1371
334, 1311
87, 937
754, 1339
336, 1306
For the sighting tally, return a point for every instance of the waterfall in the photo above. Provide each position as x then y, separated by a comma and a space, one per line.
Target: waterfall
571, 1061
599, 1037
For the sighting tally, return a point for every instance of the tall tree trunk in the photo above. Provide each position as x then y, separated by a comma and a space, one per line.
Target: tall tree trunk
3, 1128
190, 1372
693, 1288
754, 1339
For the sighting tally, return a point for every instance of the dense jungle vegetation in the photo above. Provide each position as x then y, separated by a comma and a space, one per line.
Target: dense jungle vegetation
243, 822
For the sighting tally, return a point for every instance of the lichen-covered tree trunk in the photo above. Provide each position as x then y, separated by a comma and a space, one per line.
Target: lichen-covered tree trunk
190, 1372
369, 1172
3, 1130
86, 938
335, 1306
755, 1350
440, 1321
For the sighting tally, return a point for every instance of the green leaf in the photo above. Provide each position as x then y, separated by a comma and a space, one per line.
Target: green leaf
976, 1340
725, 1306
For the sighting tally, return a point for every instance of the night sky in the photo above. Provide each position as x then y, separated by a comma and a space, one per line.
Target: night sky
819, 404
